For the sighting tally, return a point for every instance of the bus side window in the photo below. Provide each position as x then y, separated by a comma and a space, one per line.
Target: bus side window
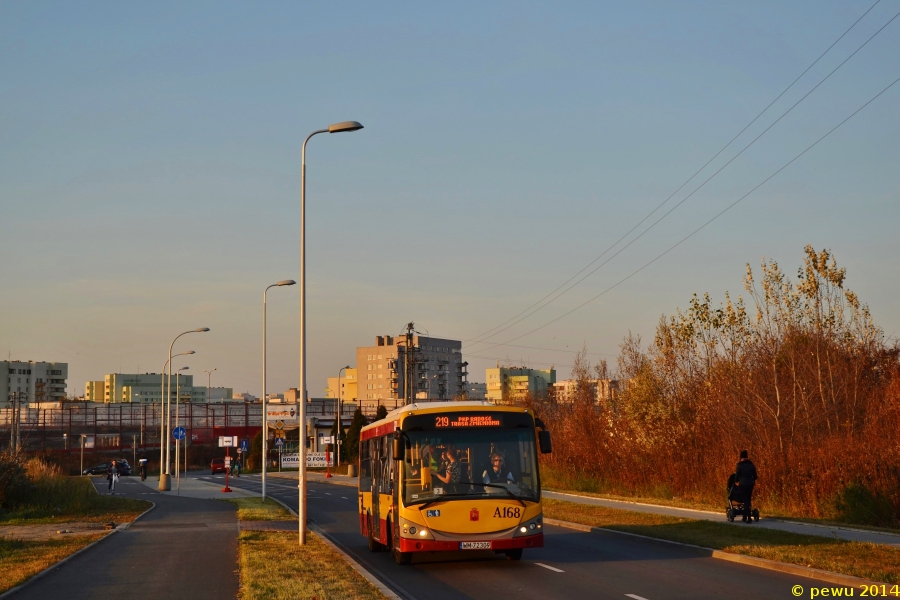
365, 466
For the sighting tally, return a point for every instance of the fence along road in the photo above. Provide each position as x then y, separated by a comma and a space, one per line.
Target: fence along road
573, 564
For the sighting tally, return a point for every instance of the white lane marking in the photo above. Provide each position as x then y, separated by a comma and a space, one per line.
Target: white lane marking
636, 597
344, 498
554, 569
327, 494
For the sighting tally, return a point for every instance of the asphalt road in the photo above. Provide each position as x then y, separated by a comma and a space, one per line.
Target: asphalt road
184, 548
572, 565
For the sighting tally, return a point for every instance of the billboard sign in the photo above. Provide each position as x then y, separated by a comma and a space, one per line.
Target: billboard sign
288, 413
313, 460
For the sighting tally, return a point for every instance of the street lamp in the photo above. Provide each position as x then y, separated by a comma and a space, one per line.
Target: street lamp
265, 417
301, 475
208, 380
165, 483
177, 421
337, 422
162, 411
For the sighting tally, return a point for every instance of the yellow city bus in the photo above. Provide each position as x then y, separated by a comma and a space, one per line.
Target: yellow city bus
452, 476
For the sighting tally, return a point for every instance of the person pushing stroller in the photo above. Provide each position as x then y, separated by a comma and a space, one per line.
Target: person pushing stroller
741, 489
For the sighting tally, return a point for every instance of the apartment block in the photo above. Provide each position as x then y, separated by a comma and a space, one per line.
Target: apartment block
346, 389
32, 381
602, 392
505, 384
145, 388
437, 370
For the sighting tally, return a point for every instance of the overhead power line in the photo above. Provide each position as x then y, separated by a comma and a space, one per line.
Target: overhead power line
515, 319
690, 235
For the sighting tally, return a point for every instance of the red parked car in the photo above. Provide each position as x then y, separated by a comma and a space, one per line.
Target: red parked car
217, 465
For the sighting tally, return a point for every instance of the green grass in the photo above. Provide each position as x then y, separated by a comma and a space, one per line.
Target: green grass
275, 567
870, 561
21, 560
254, 509
61, 499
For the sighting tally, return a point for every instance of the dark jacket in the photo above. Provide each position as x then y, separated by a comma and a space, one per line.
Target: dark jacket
745, 473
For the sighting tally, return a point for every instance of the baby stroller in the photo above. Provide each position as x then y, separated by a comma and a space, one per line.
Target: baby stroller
735, 505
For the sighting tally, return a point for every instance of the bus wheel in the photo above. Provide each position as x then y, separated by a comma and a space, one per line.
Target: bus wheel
515, 554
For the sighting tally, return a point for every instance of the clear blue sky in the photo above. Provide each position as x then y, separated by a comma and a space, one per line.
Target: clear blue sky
149, 171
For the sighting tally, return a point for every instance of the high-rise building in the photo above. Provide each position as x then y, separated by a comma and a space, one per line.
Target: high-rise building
436, 370
32, 381
505, 384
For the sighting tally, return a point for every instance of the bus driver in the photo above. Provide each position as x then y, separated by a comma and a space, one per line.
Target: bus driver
496, 473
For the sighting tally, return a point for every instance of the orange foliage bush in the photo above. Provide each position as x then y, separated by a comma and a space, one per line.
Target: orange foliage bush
808, 385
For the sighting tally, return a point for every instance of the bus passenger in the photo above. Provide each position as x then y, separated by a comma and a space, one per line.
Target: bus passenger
496, 473
454, 469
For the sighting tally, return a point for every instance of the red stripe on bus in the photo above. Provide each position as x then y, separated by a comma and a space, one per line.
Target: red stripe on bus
379, 431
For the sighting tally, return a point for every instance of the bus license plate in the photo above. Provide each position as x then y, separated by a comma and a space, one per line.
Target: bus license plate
474, 545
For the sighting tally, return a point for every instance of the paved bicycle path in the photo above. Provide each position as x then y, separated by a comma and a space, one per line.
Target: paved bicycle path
843, 533
183, 548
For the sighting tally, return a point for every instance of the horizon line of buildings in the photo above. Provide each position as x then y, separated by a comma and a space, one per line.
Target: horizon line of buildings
437, 369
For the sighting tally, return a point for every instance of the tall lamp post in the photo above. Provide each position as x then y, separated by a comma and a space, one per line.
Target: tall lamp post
208, 381
177, 423
301, 476
338, 426
265, 430
165, 480
162, 409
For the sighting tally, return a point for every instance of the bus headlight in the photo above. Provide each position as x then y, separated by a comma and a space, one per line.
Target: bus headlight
412, 529
529, 527
423, 532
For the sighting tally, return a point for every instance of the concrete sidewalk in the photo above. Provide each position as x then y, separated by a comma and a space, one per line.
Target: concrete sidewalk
190, 487
183, 548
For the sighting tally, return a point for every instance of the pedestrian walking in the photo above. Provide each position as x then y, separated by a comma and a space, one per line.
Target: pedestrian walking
143, 465
112, 476
744, 479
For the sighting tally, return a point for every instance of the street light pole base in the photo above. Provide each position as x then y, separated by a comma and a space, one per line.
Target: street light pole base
165, 483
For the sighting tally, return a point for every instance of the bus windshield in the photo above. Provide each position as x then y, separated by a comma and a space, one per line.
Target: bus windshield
470, 463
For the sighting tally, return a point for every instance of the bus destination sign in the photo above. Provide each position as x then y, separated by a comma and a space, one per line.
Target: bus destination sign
477, 420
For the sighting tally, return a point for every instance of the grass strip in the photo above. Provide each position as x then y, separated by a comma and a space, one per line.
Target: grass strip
74, 499
21, 560
275, 567
254, 509
876, 562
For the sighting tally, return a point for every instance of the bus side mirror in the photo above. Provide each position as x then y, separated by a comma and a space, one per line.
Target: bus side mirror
399, 447
544, 442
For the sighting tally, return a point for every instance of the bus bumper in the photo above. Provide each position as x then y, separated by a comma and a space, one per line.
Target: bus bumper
411, 545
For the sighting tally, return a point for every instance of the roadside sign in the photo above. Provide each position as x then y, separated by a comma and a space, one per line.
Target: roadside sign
228, 441
282, 412
313, 459
245, 445
279, 434
279, 424
279, 442
240, 450
178, 433
326, 439
227, 461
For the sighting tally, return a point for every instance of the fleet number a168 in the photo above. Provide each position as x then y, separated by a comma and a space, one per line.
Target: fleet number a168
507, 512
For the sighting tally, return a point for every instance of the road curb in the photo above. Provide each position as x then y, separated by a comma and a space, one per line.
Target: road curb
368, 576
41, 574
762, 563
